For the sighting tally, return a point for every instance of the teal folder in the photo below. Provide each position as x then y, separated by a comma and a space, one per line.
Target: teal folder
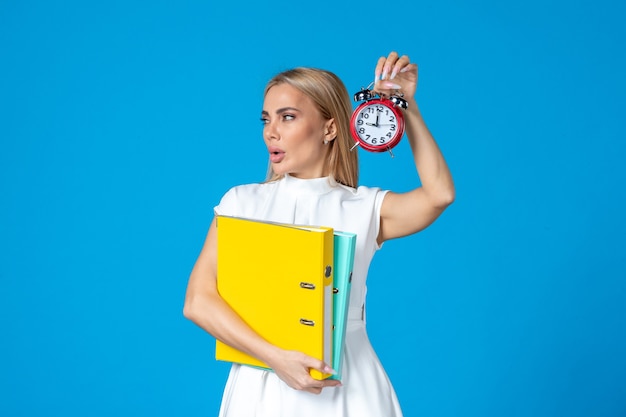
344, 248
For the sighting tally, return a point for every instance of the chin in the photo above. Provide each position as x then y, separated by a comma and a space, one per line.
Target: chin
280, 170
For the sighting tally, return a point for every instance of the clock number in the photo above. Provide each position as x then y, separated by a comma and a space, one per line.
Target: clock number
392, 119
360, 121
378, 141
393, 127
362, 130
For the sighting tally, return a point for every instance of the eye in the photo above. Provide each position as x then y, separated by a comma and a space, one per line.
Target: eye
264, 120
288, 117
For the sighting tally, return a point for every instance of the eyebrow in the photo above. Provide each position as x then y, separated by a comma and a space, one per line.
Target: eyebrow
280, 111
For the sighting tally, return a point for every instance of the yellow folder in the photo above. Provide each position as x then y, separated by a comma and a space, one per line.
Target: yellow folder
278, 279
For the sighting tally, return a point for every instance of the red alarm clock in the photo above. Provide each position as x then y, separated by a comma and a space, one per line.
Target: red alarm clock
377, 124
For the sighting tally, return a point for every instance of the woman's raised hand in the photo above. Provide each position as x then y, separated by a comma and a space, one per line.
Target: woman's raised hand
395, 74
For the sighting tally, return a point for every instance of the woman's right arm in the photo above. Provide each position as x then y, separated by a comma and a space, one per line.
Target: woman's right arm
205, 307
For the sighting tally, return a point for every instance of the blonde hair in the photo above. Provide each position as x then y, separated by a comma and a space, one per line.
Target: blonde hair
333, 101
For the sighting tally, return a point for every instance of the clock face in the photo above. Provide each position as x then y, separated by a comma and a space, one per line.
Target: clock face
377, 125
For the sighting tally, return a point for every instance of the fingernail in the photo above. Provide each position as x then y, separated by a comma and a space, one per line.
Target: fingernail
384, 74
391, 85
405, 69
330, 370
393, 74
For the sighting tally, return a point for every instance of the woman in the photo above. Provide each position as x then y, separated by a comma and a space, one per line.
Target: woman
313, 180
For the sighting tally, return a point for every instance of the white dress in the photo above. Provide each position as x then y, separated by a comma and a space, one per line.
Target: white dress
366, 390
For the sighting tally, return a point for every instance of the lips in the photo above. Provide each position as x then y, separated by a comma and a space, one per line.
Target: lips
276, 154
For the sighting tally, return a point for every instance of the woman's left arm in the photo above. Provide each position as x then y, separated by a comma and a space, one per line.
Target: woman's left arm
403, 214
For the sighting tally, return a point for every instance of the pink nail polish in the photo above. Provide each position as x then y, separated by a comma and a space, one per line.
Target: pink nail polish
329, 370
391, 85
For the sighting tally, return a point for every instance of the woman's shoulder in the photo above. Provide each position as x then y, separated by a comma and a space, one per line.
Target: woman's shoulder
252, 190
243, 197
362, 196
361, 191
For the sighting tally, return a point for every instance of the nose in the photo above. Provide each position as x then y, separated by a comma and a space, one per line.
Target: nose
269, 131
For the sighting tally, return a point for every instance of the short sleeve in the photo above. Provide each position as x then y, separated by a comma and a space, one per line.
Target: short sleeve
228, 204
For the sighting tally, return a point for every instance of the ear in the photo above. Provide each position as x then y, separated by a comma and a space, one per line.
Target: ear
330, 130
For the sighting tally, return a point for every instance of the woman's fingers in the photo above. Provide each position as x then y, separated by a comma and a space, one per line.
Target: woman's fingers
294, 370
316, 386
402, 65
306, 383
395, 74
319, 365
320, 385
389, 64
323, 368
388, 67
379, 69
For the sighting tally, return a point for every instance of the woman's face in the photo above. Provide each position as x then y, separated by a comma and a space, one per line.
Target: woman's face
294, 132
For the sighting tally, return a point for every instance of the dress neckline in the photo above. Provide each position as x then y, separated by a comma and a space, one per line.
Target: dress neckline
317, 186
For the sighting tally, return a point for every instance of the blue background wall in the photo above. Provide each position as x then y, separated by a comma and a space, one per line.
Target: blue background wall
114, 151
